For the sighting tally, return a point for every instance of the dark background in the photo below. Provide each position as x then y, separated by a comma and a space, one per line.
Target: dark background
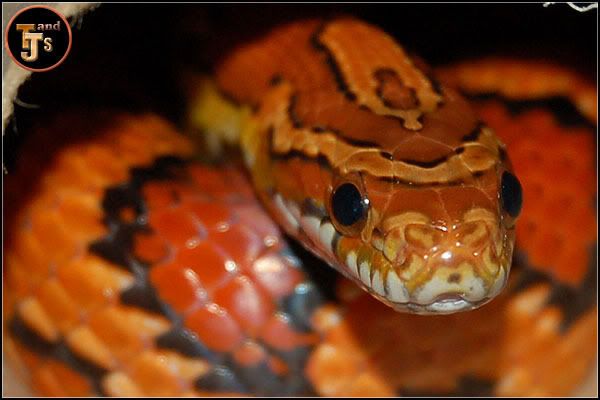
130, 56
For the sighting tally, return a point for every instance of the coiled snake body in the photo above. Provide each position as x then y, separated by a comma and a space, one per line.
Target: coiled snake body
132, 270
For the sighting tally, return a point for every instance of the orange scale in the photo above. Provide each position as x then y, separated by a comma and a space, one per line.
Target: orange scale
65, 178
18, 281
73, 164
82, 215
526, 228
261, 223
209, 213
572, 266
536, 254
246, 303
154, 376
55, 379
211, 266
561, 170
532, 189
133, 152
59, 306
159, 195
552, 210
150, 247
239, 180
215, 328
123, 340
278, 333
210, 180
576, 232
95, 177
14, 350
552, 245
274, 274
179, 287
537, 215
241, 244
493, 112
58, 243
175, 225
185, 192
101, 158
249, 353
30, 253
539, 121
278, 366
92, 282
563, 201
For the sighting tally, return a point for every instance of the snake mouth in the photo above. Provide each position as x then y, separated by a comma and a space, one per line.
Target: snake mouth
446, 304
450, 298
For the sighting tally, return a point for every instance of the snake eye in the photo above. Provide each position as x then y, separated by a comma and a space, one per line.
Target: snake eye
511, 194
348, 205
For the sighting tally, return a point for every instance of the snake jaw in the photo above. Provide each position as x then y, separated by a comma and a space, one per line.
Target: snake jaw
423, 269
413, 265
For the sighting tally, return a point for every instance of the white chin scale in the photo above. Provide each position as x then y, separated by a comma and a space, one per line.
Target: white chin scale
313, 221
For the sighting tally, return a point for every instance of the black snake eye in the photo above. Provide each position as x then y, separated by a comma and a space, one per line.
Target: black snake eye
348, 205
511, 194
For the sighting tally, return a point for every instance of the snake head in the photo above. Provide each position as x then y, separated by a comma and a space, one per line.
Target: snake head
426, 248
383, 171
430, 249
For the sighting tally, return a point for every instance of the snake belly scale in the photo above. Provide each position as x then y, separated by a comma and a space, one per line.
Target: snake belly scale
134, 270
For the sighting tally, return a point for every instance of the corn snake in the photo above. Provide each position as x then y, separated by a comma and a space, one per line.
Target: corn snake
279, 336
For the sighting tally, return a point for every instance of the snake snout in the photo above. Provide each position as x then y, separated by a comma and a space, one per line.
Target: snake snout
440, 270
458, 280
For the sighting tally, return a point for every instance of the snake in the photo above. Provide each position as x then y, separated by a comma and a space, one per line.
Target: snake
134, 268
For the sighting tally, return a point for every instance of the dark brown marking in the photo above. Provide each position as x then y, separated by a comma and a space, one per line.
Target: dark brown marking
426, 70
331, 62
393, 92
58, 351
435, 84
562, 108
427, 164
467, 386
309, 207
117, 245
502, 153
296, 121
434, 163
454, 278
574, 302
319, 159
387, 156
473, 136
275, 80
